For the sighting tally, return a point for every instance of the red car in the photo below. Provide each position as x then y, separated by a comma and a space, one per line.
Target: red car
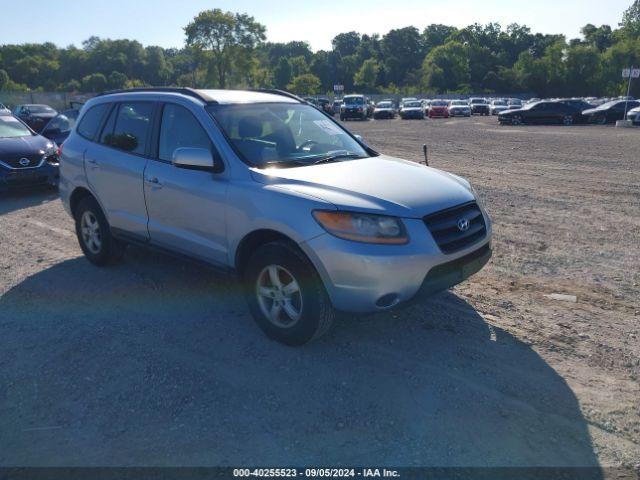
439, 108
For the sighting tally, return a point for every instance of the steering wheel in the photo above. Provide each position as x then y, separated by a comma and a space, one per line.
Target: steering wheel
307, 143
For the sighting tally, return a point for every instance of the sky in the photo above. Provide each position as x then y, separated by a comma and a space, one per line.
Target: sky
160, 22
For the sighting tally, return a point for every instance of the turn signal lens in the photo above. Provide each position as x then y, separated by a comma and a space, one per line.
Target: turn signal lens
362, 227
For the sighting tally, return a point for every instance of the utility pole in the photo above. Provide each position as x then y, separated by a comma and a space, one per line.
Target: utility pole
626, 103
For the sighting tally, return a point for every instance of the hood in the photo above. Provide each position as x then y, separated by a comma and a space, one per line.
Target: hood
438, 107
30, 145
381, 184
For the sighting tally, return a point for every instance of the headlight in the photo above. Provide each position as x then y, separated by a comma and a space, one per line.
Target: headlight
362, 227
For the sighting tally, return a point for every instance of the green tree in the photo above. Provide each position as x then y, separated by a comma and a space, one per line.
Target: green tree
346, 43
366, 77
307, 84
446, 68
403, 51
223, 35
282, 73
116, 81
298, 66
631, 19
96, 82
4, 79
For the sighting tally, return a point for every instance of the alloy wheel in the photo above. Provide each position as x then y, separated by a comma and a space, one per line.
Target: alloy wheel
279, 296
90, 229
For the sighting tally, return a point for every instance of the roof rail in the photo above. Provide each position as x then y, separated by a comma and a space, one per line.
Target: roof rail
275, 91
182, 90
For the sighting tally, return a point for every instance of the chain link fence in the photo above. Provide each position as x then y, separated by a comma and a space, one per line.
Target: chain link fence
57, 100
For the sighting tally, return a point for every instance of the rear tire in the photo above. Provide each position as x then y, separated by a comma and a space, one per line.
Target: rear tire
286, 295
94, 234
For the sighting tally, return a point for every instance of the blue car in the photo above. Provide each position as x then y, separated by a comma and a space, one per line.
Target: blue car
26, 158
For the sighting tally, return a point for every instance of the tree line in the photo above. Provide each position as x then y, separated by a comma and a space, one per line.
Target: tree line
229, 50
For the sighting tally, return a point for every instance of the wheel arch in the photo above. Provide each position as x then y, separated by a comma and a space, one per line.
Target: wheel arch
252, 241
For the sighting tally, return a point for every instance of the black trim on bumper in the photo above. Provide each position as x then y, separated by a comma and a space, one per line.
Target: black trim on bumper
447, 275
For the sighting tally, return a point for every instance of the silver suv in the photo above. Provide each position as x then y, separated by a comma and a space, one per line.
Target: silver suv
262, 185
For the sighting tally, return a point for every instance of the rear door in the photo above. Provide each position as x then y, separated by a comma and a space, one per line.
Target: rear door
186, 207
115, 166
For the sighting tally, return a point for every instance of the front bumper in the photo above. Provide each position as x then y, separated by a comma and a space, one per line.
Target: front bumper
46, 174
364, 278
353, 113
480, 110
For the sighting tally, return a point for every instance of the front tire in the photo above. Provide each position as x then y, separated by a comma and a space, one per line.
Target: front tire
286, 295
94, 234
567, 120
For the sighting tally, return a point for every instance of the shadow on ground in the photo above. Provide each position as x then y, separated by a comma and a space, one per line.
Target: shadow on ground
154, 362
24, 198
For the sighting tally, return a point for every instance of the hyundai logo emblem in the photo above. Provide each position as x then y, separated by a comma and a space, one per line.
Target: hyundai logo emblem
463, 224
24, 162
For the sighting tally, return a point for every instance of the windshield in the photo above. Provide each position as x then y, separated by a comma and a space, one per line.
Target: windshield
353, 100
439, 104
40, 109
412, 104
459, 103
385, 105
499, 102
284, 134
11, 127
477, 100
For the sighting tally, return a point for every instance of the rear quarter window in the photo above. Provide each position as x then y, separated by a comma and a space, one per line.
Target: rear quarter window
91, 121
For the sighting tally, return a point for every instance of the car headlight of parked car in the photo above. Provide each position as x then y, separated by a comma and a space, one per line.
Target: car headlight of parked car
363, 227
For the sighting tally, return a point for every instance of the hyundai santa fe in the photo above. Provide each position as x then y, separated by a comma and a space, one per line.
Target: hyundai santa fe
262, 185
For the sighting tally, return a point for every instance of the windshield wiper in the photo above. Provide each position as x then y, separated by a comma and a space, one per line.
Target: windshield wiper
336, 156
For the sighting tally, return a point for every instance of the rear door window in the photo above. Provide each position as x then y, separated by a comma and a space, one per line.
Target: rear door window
92, 120
131, 129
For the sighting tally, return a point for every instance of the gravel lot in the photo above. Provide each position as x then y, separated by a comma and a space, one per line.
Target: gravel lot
156, 362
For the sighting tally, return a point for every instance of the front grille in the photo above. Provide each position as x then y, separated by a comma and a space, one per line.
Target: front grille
14, 161
444, 227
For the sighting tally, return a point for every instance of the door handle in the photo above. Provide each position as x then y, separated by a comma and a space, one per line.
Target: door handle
93, 163
154, 181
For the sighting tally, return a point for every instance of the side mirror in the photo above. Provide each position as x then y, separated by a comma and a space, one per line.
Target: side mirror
194, 159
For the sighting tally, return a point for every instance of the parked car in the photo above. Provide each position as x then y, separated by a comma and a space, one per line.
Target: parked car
578, 103
479, 106
260, 184
353, 106
26, 158
545, 112
60, 126
515, 103
498, 106
324, 104
407, 99
4, 109
634, 115
336, 107
371, 106
439, 109
459, 108
384, 109
412, 110
34, 115
609, 112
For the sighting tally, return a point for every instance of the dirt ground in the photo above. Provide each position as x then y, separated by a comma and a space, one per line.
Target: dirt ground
156, 362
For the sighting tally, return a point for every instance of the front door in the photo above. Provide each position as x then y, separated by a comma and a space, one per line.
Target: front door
186, 207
